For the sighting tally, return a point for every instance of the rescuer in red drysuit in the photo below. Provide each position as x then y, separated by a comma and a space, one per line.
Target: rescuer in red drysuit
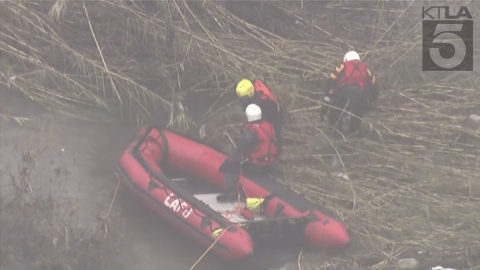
256, 150
259, 94
352, 88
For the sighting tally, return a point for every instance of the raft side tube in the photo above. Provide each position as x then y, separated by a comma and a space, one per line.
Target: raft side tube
322, 231
201, 161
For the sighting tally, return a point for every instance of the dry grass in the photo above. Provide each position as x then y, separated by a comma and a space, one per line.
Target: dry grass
413, 184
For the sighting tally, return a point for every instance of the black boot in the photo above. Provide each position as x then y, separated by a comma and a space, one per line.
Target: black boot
227, 197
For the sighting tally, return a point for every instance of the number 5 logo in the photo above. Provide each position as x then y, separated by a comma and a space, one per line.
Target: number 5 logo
444, 35
454, 39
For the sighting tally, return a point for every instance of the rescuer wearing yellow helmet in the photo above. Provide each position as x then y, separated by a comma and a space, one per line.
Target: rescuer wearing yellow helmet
259, 94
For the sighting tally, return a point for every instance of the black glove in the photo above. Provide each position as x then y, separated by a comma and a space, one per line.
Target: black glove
371, 102
371, 98
373, 93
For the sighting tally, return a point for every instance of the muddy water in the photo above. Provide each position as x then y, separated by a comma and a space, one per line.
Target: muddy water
83, 173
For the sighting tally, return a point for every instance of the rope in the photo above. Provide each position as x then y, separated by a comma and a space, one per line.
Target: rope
210, 247
298, 260
229, 214
241, 179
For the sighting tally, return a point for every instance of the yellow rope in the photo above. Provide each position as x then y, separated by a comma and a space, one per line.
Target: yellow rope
211, 246
299, 257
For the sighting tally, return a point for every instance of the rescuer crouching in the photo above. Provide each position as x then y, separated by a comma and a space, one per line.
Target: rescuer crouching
256, 150
353, 89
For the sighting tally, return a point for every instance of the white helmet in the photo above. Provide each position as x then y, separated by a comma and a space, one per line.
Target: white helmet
351, 55
253, 113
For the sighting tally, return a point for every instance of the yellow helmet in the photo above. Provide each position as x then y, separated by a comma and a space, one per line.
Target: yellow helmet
245, 88
254, 204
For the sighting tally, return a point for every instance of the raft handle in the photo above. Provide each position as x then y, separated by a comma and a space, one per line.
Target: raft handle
278, 210
205, 222
311, 216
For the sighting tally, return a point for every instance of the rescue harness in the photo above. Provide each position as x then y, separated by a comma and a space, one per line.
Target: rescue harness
260, 161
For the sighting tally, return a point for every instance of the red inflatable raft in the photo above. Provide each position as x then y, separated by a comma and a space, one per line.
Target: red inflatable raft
158, 152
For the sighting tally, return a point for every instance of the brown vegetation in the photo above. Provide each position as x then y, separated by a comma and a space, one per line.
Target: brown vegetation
413, 183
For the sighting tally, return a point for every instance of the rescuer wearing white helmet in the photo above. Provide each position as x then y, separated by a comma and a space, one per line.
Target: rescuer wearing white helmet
258, 93
256, 150
351, 55
352, 88
253, 113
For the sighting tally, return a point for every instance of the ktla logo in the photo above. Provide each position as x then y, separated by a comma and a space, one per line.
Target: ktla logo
447, 39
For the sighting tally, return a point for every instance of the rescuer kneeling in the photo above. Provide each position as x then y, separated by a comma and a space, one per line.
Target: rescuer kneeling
255, 150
